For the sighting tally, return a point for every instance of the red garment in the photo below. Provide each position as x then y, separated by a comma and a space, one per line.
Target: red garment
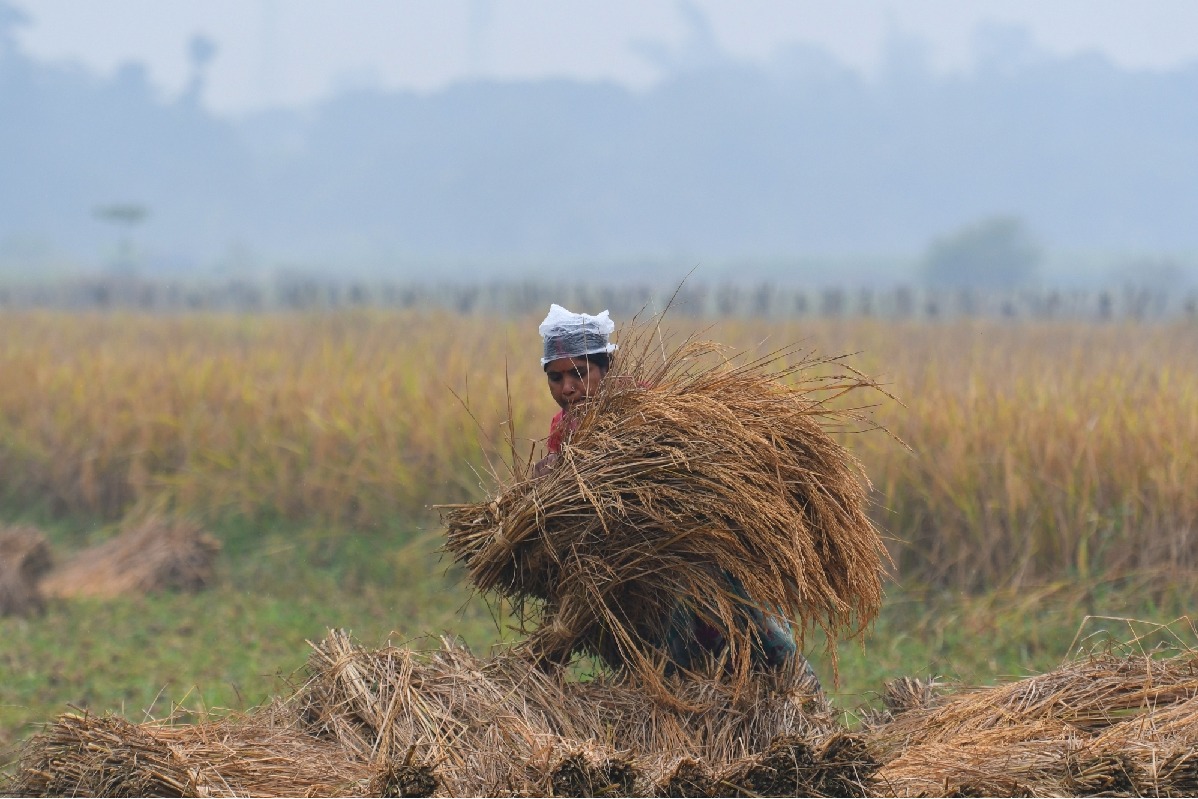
559, 427
562, 425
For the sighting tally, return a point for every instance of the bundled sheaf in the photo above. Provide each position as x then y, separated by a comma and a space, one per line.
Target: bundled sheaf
502, 726
159, 554
24, 559
1102, 725
261, 754
688, 478
393, 721
1090, 694
396, 722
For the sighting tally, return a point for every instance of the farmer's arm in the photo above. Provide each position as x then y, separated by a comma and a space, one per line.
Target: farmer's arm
542, 467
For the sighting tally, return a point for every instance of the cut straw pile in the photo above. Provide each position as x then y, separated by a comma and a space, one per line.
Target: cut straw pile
395, 722
1104, 725
159, 554
502, 725
262, 754
685, 475
24, 559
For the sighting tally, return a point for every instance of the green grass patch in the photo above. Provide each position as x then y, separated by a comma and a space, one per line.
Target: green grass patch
239, 643
982, 639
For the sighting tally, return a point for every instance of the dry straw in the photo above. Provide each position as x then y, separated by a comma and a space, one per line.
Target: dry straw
687, 474
501, 725
1089, 694
24, 558
1100, 725
262, 754
397, 722
159, 554
400, 723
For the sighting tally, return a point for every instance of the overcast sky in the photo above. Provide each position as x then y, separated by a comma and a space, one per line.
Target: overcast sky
290, 52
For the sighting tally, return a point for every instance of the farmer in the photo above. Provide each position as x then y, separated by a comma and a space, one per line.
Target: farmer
577, 355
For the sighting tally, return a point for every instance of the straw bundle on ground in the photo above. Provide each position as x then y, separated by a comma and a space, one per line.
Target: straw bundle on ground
689, 477
503, 726
1102, 725
480, 723
396, 722
24, 558
1032, 758
837, 765
1029, 759
157, 555
261, 754
1161, 746
1089, 694
592, 770
909, 693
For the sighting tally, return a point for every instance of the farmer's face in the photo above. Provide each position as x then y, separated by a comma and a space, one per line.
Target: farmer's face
571, 380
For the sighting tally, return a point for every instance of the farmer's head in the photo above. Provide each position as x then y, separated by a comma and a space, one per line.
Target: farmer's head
577, 353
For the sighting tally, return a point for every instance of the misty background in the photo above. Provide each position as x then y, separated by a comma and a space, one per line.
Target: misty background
1043, 167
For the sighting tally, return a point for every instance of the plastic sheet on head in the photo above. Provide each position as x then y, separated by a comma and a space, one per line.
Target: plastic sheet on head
569, 335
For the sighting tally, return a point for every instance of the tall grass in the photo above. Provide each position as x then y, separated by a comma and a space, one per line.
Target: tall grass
348, 418
1036, 451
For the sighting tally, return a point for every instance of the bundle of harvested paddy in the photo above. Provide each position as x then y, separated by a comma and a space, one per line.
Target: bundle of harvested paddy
1035, 758
1030, 759
592, 770
396, 722
1089, 694
1162, 743
684, 776
839, 765
710, 718
1098, 725
503, 726
908, 693
479, 723
24, 558
156, 555
690, 478
256, 755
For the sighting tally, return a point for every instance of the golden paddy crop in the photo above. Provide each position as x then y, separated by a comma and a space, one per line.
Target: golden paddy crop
1035, 450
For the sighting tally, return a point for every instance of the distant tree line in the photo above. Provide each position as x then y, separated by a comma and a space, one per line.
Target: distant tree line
794, 154
764, 300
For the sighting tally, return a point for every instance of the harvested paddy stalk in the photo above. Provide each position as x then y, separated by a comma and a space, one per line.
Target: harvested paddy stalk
479, 723
1026, 759
836, 765
501, 725
262, 754
688, 477
1159, 746
24, 558
1089, 694
156, 555
1100, 725
394, 722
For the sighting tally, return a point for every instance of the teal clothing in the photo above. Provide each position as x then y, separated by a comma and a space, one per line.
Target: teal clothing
691, 639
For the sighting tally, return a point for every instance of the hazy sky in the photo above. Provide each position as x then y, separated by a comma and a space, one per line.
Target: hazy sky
295, 51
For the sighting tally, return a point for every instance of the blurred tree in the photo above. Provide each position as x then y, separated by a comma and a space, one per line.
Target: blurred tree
11, 18
1153, 272
200, 50
127, 216
995, 253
